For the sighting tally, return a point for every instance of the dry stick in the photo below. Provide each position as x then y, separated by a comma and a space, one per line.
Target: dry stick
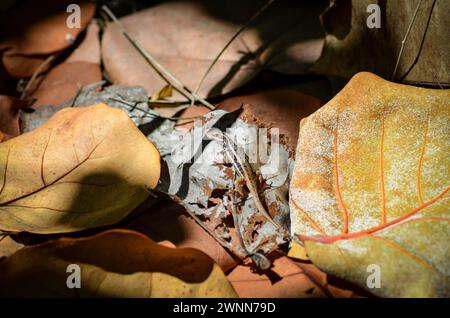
405, 38
257, 14
146, 112
165, 74
38, 71
166, 103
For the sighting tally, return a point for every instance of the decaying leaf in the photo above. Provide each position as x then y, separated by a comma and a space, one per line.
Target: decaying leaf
352, 46
115, 263
370, 187
186, 36
208, 184
130, 99
84, 167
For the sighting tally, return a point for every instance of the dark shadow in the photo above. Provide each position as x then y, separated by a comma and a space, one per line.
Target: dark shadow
223, 123
121, 253
337, 18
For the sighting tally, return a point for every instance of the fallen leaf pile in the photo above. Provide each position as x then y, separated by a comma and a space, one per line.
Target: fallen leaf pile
221, 149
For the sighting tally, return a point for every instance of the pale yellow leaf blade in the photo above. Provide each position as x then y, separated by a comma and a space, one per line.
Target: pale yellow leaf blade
83, 168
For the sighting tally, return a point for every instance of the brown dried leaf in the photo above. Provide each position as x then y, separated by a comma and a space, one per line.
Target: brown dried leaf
278, 108
63, 82
186, 36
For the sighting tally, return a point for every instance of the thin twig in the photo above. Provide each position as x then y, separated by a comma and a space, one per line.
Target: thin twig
164, 73
36, 73
151, 114
248, 23
166, 103
405, 38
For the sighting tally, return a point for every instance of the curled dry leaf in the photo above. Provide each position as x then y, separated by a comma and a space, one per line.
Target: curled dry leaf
115, 263
32, 30
370, 187
83, 168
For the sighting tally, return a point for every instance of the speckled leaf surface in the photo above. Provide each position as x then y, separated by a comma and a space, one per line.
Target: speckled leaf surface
370, 186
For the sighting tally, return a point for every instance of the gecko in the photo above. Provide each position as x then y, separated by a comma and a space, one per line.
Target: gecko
239, 160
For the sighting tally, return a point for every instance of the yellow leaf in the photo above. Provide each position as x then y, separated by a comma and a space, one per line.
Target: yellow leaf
165, 92
370, 187
83, 168
297, 251
115, 263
